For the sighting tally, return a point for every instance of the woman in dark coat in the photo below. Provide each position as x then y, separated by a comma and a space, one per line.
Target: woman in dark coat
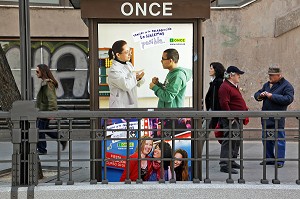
216, 72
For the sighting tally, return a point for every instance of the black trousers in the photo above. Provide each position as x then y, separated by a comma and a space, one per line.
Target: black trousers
235, 144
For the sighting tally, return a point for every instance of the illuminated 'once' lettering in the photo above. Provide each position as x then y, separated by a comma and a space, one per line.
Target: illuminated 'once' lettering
154, 9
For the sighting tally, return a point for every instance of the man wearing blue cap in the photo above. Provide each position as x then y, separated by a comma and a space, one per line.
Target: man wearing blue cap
231, 99
277, 94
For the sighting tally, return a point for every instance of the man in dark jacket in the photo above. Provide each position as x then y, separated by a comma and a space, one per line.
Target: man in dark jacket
276, 95
231, 99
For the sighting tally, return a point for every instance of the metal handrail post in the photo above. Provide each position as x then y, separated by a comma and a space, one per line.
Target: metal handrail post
33, 162
24, 138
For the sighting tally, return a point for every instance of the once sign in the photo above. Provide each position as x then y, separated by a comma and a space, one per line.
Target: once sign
147, 9
154, 9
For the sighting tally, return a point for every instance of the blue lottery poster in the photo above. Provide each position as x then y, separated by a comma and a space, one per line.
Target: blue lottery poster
116, 149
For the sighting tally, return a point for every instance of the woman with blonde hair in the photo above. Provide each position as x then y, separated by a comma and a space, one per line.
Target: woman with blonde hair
145, 148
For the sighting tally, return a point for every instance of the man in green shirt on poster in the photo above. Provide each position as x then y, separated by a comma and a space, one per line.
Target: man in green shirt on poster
171, 93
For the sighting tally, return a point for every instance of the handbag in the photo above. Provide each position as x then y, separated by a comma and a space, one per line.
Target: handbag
218, 134
246, 121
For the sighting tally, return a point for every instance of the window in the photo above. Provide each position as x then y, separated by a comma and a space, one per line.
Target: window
226, 3
38, 2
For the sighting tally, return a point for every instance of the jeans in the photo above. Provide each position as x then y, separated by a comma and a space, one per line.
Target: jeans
270, 145
43, 124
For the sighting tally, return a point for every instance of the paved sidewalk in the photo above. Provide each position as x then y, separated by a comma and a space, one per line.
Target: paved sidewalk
81, 166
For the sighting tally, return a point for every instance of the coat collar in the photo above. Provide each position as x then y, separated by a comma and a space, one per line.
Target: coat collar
45, 82
122, 62
232, 84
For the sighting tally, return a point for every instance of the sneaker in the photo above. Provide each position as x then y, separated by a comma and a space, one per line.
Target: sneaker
235, 165
225, 169
63, 144
267, 163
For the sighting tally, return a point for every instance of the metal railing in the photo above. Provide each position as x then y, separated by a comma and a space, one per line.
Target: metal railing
202, 163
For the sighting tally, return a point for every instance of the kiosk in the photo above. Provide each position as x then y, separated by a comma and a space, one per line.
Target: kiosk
149, 27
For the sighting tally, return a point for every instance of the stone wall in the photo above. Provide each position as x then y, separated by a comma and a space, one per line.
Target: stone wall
44, 22
246, 38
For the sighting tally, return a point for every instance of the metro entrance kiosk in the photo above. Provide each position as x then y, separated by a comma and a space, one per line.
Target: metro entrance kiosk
150, 12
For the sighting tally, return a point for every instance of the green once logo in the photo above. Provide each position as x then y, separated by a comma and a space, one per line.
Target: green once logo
124, 144
178, 40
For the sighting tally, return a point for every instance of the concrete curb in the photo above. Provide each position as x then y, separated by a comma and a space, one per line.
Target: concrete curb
155, 190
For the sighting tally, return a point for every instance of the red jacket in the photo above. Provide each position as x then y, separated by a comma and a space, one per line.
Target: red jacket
230, 98
133, 168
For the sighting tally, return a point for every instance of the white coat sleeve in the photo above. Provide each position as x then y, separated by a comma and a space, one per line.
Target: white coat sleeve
119, 79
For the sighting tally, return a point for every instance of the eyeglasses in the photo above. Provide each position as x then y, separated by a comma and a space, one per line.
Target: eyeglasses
273, 75
127, 52
164, 58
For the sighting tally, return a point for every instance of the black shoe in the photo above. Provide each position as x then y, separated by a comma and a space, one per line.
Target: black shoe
279, 165
42, 152
235, 165
267, 163
63, 144
225, 169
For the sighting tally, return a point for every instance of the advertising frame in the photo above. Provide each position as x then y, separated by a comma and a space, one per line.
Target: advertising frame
181, 13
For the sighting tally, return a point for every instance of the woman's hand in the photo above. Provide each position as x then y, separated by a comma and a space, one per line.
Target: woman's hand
139, 76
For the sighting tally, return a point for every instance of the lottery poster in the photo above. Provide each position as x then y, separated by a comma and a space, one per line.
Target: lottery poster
116, 148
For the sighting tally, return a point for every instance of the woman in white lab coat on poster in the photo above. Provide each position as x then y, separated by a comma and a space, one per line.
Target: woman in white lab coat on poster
122, 79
